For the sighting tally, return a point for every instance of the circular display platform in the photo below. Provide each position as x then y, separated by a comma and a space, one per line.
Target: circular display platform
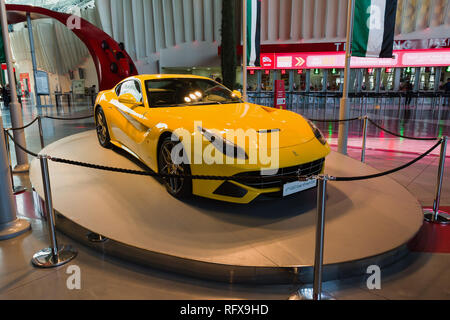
271, 241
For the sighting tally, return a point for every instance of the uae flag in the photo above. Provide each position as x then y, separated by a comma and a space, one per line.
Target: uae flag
373, 28
2, 48
253, 32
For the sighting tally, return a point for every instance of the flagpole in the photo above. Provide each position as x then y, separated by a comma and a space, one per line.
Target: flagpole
344, 111
244, 51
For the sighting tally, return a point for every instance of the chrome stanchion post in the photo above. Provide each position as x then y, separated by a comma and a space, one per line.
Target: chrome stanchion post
8, 154
41, 135
363, 151
317, 293
15, 189
320, 229
435, 215
55, 255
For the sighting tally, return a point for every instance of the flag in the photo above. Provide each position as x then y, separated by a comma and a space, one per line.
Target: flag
373, 28
2, 48
253, 32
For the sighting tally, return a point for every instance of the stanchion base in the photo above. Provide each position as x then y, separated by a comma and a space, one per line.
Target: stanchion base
19, 190
22, 168
307, 294
95, 237
45, 258
442, 217
13, 229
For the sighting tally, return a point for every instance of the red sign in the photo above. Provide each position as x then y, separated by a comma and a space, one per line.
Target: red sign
280, 95
24, 82
268, 60
329, 60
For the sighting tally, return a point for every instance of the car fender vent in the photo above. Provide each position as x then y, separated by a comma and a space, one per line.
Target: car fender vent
268, 109
268, 130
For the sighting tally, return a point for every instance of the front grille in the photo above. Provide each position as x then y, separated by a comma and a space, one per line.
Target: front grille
254, 179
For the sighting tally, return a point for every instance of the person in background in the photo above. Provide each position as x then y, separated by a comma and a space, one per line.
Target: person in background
408, 89
446, 88
19, 93
6, 93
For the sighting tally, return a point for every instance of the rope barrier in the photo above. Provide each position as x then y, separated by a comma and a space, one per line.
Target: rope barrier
398, 135
50, 117
20, 146
372, 176
210, 177
62, 118
237, 179
167, 175
24, 127
329, 120
213, 177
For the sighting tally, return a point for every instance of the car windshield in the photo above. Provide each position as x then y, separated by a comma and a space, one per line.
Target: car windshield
178, 92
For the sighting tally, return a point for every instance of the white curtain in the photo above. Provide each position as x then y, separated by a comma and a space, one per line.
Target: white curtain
58, 50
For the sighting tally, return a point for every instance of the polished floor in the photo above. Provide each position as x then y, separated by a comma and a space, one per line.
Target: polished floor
422, 275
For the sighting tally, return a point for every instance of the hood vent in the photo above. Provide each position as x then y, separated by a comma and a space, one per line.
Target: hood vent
268, 130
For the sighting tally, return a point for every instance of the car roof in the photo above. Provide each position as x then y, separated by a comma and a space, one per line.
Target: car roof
166, 76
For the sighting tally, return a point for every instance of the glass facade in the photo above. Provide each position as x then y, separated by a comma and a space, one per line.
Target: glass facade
361, 80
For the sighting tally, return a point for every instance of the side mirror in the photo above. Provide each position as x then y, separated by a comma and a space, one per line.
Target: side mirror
128, 98
237, 93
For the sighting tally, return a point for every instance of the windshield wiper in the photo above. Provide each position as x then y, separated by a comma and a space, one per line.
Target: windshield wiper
204, 103
168, 105
187, 104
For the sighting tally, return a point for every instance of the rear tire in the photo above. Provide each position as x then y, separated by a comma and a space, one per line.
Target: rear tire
102, 129
180, 188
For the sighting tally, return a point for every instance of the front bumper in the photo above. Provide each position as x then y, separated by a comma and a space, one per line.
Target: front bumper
243, 192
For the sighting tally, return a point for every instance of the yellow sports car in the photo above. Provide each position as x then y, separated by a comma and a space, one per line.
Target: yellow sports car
183, 124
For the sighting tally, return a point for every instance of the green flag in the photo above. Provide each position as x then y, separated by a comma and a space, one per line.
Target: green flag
2, 48
373, 28
253, 32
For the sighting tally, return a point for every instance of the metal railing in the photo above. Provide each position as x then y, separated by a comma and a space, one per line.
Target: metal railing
300, 99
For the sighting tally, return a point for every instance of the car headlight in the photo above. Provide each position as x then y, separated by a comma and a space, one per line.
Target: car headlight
317, 133
223, 145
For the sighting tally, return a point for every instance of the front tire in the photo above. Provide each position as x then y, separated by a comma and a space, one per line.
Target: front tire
102, 129
180, 188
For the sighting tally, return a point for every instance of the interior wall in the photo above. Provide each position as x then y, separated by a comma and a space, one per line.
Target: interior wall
61, 82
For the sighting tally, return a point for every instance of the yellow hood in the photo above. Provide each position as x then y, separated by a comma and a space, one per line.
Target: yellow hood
292, 128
